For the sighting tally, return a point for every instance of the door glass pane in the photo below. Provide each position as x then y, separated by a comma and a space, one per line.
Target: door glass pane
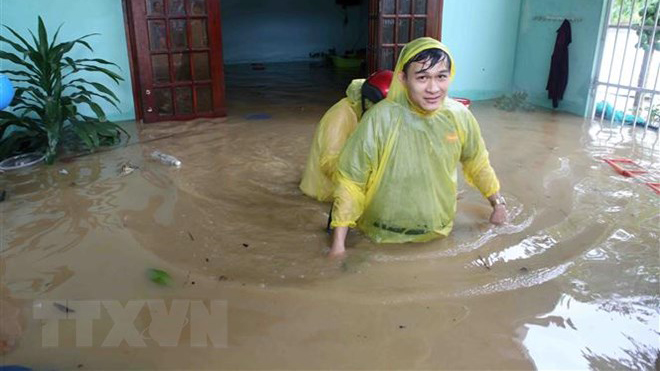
155, 7
201, 66
160, 68
181, 66
387, 6
404, 6
176, 7
178, 37
183, 100
388, 31
404, 31
204, 98
163, 98
420, 6
197, 7
157, 35
419, 27
386, 58
199, 35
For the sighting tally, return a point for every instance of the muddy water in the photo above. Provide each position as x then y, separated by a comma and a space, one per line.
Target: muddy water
570, 282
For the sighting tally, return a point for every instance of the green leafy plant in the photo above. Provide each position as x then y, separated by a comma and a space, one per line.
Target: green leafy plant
646, 30
48, 95
623, 12
654, 117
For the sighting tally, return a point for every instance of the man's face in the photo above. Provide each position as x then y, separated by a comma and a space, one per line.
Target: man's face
427, 88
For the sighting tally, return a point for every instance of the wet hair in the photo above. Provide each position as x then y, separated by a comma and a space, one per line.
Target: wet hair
432, 56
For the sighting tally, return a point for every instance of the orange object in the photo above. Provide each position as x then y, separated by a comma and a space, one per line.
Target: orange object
630, 169
625, 167
654, 186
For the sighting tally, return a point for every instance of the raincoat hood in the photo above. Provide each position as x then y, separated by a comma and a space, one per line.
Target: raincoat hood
398, 92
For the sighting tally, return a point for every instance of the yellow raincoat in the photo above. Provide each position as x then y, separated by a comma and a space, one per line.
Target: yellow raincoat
331, 134
397, 174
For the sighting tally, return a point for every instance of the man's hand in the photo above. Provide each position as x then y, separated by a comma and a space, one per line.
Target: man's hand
499, 214
499, 209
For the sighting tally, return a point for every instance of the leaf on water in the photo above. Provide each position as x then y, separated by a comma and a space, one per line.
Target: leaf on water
159, 276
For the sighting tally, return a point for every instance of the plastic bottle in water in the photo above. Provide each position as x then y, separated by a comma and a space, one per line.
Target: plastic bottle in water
166, 159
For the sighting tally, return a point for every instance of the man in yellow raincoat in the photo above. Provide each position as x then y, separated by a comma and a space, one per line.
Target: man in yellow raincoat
396, 175
333, 130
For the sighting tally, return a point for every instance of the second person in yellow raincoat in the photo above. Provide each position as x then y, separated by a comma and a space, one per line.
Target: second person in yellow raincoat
396, 175
333, 130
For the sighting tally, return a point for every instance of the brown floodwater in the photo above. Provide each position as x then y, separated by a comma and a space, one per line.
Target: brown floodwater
571, 282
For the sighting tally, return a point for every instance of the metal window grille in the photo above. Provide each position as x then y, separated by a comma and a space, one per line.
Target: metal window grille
625, 90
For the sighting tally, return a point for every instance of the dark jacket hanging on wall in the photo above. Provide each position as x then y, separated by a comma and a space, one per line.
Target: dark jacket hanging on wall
558, 77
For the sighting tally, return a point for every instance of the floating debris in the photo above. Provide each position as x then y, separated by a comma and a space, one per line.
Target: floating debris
517, 100
159, 276
166, 159
485, 263
63, 172
63, 308
127, 169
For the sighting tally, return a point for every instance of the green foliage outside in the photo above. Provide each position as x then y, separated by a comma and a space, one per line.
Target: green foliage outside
623, 10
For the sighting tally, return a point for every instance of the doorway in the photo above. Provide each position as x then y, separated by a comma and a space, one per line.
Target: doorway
176, 59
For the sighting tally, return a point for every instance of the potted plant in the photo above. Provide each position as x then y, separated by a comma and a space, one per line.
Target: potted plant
49, 94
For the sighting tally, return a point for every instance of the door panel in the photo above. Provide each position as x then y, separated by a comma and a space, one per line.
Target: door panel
178, 44
393, 23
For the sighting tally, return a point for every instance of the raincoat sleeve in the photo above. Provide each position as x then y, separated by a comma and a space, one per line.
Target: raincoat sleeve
474, 157
338, 126
357, 161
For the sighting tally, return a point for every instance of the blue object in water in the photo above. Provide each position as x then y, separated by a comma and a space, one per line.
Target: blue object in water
258, 116
6, 92
619, 117
14, 368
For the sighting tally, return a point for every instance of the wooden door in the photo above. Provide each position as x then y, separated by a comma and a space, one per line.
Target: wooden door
393, 23
178, 54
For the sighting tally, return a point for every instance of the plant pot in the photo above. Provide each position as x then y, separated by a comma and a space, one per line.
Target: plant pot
21, 161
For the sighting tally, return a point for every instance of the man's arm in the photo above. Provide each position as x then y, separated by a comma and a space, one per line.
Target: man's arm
338, 248
477, 169
353, 168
